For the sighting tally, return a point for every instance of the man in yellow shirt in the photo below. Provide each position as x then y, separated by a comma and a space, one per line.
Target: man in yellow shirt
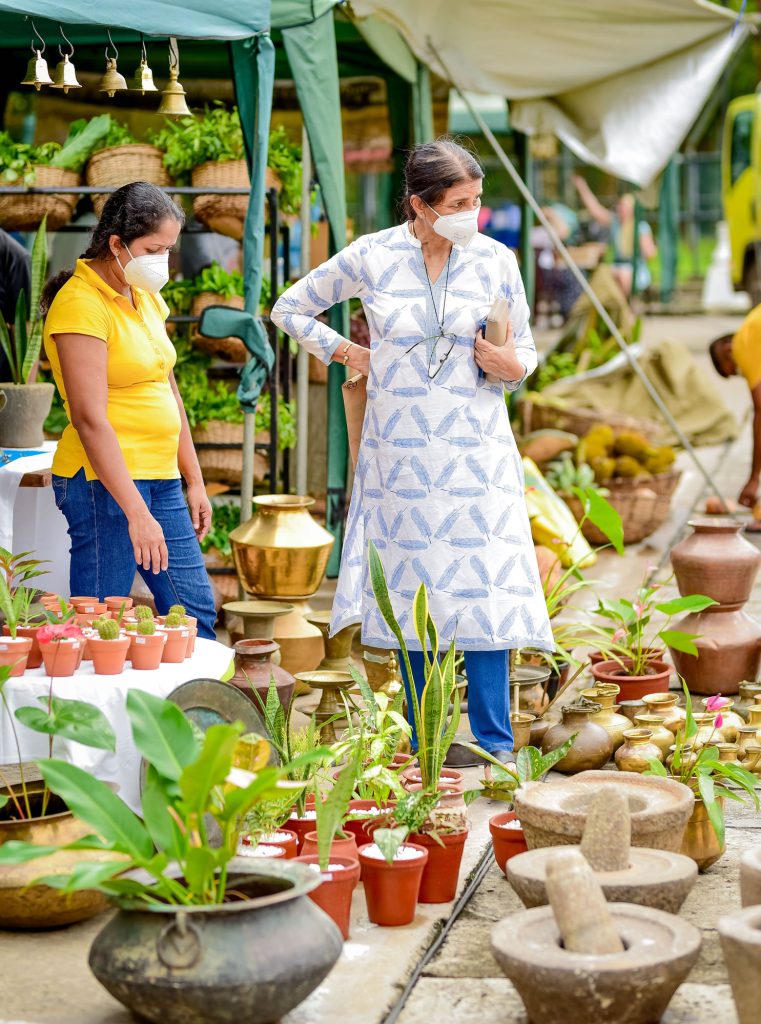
740, 354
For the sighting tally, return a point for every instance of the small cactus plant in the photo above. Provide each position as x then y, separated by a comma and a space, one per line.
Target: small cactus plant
130, 627
146, 627
108, 629
177, 609
143, 613
173, 621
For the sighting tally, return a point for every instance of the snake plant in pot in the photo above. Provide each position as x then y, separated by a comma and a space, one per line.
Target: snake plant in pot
27, 402
188, 904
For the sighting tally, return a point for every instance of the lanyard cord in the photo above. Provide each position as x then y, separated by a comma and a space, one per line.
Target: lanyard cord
439, 320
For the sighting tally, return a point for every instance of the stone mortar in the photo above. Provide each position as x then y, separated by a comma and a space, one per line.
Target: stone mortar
740, 934
750, 877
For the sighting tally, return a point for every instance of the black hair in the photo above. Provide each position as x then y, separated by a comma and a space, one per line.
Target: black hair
433, 167
716, 349
132, 212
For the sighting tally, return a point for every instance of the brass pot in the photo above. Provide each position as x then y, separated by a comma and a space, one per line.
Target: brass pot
754, 715
727, 753
665, 705
750, 693
592, 747
637, 751
531, 681
689, 756
700, 841
746, 735
23, 905
281, 551
731, 721
521, 725
707, 734
752, 760
338, 647
661, 736
614, 724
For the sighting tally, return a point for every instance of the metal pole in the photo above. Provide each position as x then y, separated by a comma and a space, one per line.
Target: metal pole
302, 359
583, 283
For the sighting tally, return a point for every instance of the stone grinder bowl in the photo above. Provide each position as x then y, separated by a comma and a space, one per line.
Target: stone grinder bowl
554, 813
654, 878
633, 987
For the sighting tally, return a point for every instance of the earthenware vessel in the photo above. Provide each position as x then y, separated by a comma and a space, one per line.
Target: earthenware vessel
14, 653
637, 751
337, 885
716, 560
34, 658
254, 669
507, 837
592, 747
392, 890
740, 935
661, 736
729, 650
700, 841
614, 724
442, 869
633, 687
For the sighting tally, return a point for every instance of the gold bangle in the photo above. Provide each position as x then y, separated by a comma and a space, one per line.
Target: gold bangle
346, 353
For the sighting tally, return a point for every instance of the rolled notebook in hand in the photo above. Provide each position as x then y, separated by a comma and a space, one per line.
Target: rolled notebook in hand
497, 320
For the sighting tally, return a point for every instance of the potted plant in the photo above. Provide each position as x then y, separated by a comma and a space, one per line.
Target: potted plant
217, 549
146, 648
177, 638
109, 648
31, 813
62, 646
119, 158
14, 649
174, 876
711, 781
635, 665
27, 401
215, 286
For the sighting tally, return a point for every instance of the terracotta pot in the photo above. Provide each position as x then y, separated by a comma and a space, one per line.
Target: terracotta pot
507, 842
86, 606
108, 656
633, 687
176, 644
62, 657
301, 827
442, 869
76, 601
254, 669
14, 652
637, 751
34, 658
451, 793
361, 828
414, 774
660, 735
729, 650
700, 841
145, 652
334, 893
666, 707
338, 848
193, 630
289, 844
392, 890
716, 560
592, 747
114, 604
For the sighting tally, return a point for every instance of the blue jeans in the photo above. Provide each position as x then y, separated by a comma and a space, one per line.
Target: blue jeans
488, 696
102, 557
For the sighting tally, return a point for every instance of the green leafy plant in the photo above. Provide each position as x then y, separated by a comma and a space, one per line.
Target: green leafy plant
188, 142
531, 765
178, 295
563, 475
22, 350
707, 776
284, 157
215, 278
169, 855
14, 605
118, 134
331, 809
411, 814
435, 728
225, 518
18, 159
18, 569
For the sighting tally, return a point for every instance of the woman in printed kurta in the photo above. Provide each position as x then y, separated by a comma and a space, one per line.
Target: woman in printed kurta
439, 481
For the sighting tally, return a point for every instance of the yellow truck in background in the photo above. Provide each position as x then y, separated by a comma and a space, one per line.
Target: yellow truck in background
741, 191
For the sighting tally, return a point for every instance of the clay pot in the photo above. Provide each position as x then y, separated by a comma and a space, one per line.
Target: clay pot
660, 735
633, 687
145, 652
731, 721
700, 841
14, 652
538, 729
392, 890
193, 631
638, 751
666, 707
451, 793
442, 869
592, 747
75, 602
614, 724
507, 842
34, 658
176, 644
716, 560
740, 935
362, 828
254, 668
414, 775
289, 844
301, 827
340, 847
62, 657
114, 604
86, 606
531, 681
108, 656
729, 650
336, 888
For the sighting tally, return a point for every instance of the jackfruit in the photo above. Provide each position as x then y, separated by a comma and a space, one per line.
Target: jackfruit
626, 466
603, 469
603, 433
659, 460
632, 443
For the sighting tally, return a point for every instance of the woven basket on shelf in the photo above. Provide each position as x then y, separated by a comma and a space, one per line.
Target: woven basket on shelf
218, 463
538, 416
25, 212
643, 505
224, 214
231, 348
121, 165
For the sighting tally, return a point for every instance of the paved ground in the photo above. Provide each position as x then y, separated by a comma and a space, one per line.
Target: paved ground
46, 979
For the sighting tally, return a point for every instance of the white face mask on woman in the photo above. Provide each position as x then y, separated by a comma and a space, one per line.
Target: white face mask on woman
150, 272
458, 228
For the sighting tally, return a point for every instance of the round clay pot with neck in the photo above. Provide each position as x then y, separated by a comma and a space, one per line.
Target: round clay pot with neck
716, 560
254, 669
729, 650
592, 747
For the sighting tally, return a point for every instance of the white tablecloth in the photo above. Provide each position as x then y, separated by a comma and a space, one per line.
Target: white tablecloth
210, 661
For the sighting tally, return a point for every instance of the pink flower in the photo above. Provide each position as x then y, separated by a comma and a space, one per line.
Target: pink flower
639, 609
717, 702
718, 722
58, 631
618, 635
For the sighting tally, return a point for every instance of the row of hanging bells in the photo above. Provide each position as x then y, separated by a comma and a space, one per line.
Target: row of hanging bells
173, 102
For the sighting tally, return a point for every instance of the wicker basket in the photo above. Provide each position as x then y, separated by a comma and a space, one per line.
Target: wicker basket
538, 416
231, 348
224, 214
25, 212
642, 504
121, 165
220, 464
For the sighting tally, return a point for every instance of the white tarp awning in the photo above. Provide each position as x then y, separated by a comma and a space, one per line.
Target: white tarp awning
620, 83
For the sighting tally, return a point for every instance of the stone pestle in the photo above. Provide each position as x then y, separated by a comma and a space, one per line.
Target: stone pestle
607, 838
582, 915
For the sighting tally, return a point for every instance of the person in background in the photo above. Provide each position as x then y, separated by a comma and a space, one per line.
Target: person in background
15, 277
739, 354
620, 225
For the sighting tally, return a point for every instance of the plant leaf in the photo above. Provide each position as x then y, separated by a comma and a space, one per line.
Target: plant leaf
690, 603
388, 840
85, 874
601, 513
162, 733
211, 767
71, 720
656, 768
679, 641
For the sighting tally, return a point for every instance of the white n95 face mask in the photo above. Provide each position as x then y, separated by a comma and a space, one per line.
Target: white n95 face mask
149, 272
458, 228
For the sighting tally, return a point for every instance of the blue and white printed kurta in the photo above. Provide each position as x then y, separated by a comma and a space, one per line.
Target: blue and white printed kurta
439, 485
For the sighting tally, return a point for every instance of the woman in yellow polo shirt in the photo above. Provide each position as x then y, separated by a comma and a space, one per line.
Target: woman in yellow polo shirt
116, 472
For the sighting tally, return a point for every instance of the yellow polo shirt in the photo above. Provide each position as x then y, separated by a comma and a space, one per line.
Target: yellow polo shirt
746, 348
141, 406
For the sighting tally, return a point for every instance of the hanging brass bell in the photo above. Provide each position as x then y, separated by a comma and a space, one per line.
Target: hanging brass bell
112, 81
173, 102
65, 76
37, 73
143, 79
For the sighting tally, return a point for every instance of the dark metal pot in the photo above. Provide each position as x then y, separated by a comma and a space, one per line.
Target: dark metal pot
249, 960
